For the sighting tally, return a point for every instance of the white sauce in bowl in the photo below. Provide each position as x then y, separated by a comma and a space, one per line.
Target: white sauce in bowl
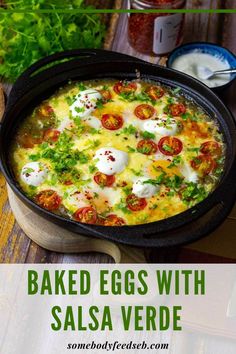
189, 64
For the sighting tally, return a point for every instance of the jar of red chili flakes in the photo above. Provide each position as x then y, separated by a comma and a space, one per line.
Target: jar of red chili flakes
156, 33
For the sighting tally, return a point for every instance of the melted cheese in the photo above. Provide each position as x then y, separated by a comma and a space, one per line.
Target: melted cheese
90, 149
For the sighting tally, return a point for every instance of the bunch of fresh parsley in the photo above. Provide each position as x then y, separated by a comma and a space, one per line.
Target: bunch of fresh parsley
27, 37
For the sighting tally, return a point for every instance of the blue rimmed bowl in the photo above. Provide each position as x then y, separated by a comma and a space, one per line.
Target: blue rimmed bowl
207, 48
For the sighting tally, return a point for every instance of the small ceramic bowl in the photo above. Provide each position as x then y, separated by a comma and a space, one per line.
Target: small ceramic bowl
207, 48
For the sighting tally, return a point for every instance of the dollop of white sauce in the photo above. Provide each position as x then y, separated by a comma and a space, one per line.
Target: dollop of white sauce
189, 64
77, 199
66, 123
93, 122
188, 172
85, 103
163, 126
111, 160
144, 190
34, 173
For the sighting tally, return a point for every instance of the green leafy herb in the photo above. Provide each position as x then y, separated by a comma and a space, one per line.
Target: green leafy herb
27, 37
130, 149
34, 157
193, 192
159, 180
130, 130
136, 173
176, 161
123, 207
62, 156
196, 150
92, 168
147, 135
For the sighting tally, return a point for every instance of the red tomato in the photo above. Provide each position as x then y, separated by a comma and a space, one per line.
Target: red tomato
155, 92
211, 148
170, 145
48, 199
147, 147
144, 111
68, 183
134, 203
86, 215
124, 87
106, 95
112, 121
113, 220
27, 141
204, 164
51, 135
104, 180
176, 109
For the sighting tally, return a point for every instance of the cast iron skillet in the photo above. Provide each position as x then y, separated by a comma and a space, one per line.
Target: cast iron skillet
38, 82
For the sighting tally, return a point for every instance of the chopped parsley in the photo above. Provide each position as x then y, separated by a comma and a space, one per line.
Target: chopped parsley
92, 168
130, 130
123, 207
176, 161
130, 149
63, 157
194, 149
193, 192
147, 135
136, 173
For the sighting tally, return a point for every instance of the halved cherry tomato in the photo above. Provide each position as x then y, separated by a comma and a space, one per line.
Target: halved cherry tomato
127, 87
27, 140
104, 180
48, 199
147, 147
204, 164
106, 95
68, 182
87, 215
112, 121
51, 135
155, 92
45, 111
144, 111
113, 220
211, 148
134, 203
176, 109
170, 145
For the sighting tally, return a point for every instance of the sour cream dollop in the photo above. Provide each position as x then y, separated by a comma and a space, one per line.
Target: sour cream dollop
85, 103
111, 160
188, 172
189, 63
144, 190
164, 126
34, 173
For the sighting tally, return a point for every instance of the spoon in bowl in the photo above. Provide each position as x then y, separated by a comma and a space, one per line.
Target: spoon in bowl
205, 73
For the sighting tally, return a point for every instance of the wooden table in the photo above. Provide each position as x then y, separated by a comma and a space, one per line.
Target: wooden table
15, 246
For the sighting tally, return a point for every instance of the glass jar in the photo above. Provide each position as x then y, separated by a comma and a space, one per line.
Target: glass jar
155, 33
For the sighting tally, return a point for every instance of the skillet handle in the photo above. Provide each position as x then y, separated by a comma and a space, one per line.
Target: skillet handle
53, 64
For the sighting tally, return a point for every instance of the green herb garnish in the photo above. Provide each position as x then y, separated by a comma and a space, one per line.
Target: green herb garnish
34, 35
